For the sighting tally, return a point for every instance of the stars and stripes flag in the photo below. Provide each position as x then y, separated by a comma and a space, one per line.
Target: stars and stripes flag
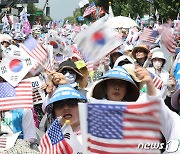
158, 83
168, 38
18, 97
3, 141
120, 127
149, 35
99, 12
91, 8
53, 141
35, 50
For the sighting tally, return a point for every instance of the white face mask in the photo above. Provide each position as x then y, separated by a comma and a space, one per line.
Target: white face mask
157, 64
70, 77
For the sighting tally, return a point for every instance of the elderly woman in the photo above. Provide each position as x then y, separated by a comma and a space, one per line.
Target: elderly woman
117, 85
64, 103
141, 54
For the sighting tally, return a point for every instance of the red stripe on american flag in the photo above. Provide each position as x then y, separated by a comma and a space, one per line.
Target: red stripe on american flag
146, 35
168, 39
112, 145
137, 106
141, 129
3, 141
39, 53
61, 150
158, 82
142, 121
105, 152
47, 147
67, 147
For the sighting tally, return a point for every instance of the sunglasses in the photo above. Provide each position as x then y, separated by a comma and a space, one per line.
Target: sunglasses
60, 105
64, 71
5, 42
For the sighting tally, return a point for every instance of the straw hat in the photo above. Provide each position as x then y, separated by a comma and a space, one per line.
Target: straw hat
128, 64
5, 37
140, 47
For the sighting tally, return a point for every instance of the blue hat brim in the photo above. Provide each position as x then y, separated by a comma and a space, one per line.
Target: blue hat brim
116, 73
64, 92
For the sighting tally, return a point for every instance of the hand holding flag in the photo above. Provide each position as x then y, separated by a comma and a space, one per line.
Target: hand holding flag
53, 141
109, 127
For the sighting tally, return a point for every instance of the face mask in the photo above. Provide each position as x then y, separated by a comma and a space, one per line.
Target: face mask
157, 64
70, 77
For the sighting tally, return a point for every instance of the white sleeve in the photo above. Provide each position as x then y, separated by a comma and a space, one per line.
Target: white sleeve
45, 103
145, 97
170, 122
28, 125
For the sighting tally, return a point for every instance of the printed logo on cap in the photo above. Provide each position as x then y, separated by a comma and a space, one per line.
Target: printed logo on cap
118, 72
65, 92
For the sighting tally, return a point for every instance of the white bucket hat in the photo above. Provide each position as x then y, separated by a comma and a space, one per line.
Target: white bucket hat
158, 54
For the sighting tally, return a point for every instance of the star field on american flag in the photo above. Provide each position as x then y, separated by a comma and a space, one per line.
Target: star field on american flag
109, 125
55, 134
6, 90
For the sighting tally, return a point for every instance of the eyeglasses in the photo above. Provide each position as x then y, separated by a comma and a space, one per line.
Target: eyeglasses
60, 105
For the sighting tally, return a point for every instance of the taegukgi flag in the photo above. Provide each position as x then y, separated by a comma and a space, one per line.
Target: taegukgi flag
96, 41
15, 65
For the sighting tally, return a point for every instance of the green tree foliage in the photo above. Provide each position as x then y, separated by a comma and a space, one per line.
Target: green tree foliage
166, 8
32, 11
70, 20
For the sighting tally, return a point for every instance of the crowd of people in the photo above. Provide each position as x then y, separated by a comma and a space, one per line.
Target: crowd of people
136, 72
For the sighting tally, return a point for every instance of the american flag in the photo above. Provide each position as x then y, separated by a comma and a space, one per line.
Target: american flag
35, 50
149, 35
18, 97
53, 141
118, 128
91, 8
3, 141
168, 39
50, 64
158, 83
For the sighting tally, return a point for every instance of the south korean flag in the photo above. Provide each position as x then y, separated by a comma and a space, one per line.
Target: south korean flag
15, 65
